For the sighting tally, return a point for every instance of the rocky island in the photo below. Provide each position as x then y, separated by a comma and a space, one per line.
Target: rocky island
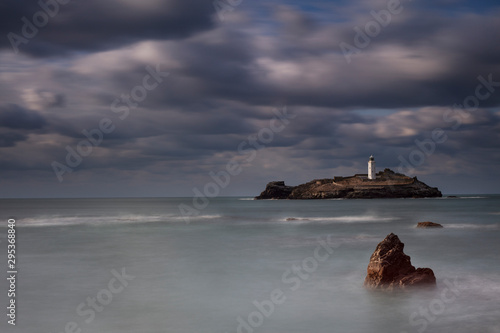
385, 184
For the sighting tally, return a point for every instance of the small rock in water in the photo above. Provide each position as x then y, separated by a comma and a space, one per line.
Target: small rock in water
428, 225
391, 268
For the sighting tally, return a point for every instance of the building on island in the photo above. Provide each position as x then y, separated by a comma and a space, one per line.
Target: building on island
371, 168
372, 173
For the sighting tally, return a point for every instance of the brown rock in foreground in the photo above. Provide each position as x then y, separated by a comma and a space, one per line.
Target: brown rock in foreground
391, 268
428, 225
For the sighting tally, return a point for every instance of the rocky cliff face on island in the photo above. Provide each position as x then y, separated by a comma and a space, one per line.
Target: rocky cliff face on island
387, 184
428, 225
390, 267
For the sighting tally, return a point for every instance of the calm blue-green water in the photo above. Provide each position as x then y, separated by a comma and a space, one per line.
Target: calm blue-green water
240, 266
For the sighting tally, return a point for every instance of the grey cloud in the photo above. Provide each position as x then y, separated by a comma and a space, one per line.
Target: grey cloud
99, 25
225, 78
295, 23
43, 99
223, 63
15, 117
9, 139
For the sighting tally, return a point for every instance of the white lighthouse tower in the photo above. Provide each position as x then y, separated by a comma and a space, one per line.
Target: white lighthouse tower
371, 168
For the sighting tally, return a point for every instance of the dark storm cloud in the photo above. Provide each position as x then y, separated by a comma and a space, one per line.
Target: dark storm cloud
227, 77
419, 59
9, 139
15, 117
452, 52
98, 25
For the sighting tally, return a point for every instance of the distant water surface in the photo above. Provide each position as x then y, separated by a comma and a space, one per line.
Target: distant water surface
221, 271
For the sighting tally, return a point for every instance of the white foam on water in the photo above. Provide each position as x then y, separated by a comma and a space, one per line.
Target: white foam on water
91, 220
471, 226
332, 240
479, 288
339, 219
105, 220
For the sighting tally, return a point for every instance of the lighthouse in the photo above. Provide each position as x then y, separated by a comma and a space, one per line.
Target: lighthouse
371, 168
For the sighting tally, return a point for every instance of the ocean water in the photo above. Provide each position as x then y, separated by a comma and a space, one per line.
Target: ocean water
135, 265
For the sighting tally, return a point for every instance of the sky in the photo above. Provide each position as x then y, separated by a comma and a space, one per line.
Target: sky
181, 97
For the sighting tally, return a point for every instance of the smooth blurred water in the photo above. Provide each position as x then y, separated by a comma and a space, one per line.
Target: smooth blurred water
206, 275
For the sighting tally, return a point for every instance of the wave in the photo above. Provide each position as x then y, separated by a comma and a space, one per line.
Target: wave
105, 220
340, 219
331, 239
246, 199
471, 226
470, 285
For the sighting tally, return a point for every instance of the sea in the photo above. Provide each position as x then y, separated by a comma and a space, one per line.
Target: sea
138, 265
